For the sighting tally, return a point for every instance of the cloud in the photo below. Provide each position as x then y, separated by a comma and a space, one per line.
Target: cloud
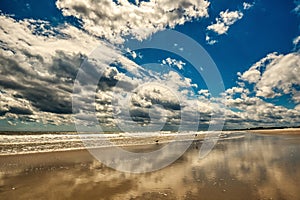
209, 40
11, 104
226, 19
38, 68
222, 25
282, 74
250, 111
274, 75
247, 6
297, 9
39, 64
23, 36
154, 102
114, 20
253, 74
296, 42
173, 62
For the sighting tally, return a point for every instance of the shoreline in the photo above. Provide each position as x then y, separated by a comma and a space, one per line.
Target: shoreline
136, 142
143, 144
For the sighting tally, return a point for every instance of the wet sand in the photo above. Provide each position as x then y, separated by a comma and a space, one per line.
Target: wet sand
251, 167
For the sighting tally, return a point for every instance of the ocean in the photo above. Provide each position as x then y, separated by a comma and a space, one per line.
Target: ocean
35, 142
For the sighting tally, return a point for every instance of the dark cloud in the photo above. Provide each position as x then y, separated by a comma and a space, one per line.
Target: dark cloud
48, 99
20, 111
46, 93
10, 66
65, 65
7, 83
140, 115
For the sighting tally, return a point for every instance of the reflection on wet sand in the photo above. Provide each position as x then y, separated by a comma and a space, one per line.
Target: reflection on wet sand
250, 167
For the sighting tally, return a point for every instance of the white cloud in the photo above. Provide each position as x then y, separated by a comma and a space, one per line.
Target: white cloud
219, 27
226, 19
281, 74
112, 20
38, 70
296, 41
272, 76
234, 90
209, 40
253, 75
18, 36
204, 93
296, 95
247, 6
275, 75
253, 111
173, 62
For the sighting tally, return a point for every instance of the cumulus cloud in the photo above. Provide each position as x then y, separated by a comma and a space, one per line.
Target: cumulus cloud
114, 19
226, 19
281, 74
22, 35
28, 59
39, 64
253, 74
249, 111
274, 75
38, 68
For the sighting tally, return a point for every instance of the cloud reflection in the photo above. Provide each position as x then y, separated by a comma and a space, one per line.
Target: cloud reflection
251, 167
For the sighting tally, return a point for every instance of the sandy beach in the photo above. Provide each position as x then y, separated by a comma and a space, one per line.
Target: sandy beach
249, 167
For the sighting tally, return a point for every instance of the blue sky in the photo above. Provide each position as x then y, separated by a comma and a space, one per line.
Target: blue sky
254, 45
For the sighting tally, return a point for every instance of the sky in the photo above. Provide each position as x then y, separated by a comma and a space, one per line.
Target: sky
71, 61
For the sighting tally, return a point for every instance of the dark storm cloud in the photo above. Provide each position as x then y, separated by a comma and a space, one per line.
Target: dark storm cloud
6, 82
48, 99
52, 92
46, 93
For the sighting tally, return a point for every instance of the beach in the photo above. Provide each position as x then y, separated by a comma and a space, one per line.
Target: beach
250, 166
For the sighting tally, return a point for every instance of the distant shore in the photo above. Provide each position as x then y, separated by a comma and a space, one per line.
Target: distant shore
285, 131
